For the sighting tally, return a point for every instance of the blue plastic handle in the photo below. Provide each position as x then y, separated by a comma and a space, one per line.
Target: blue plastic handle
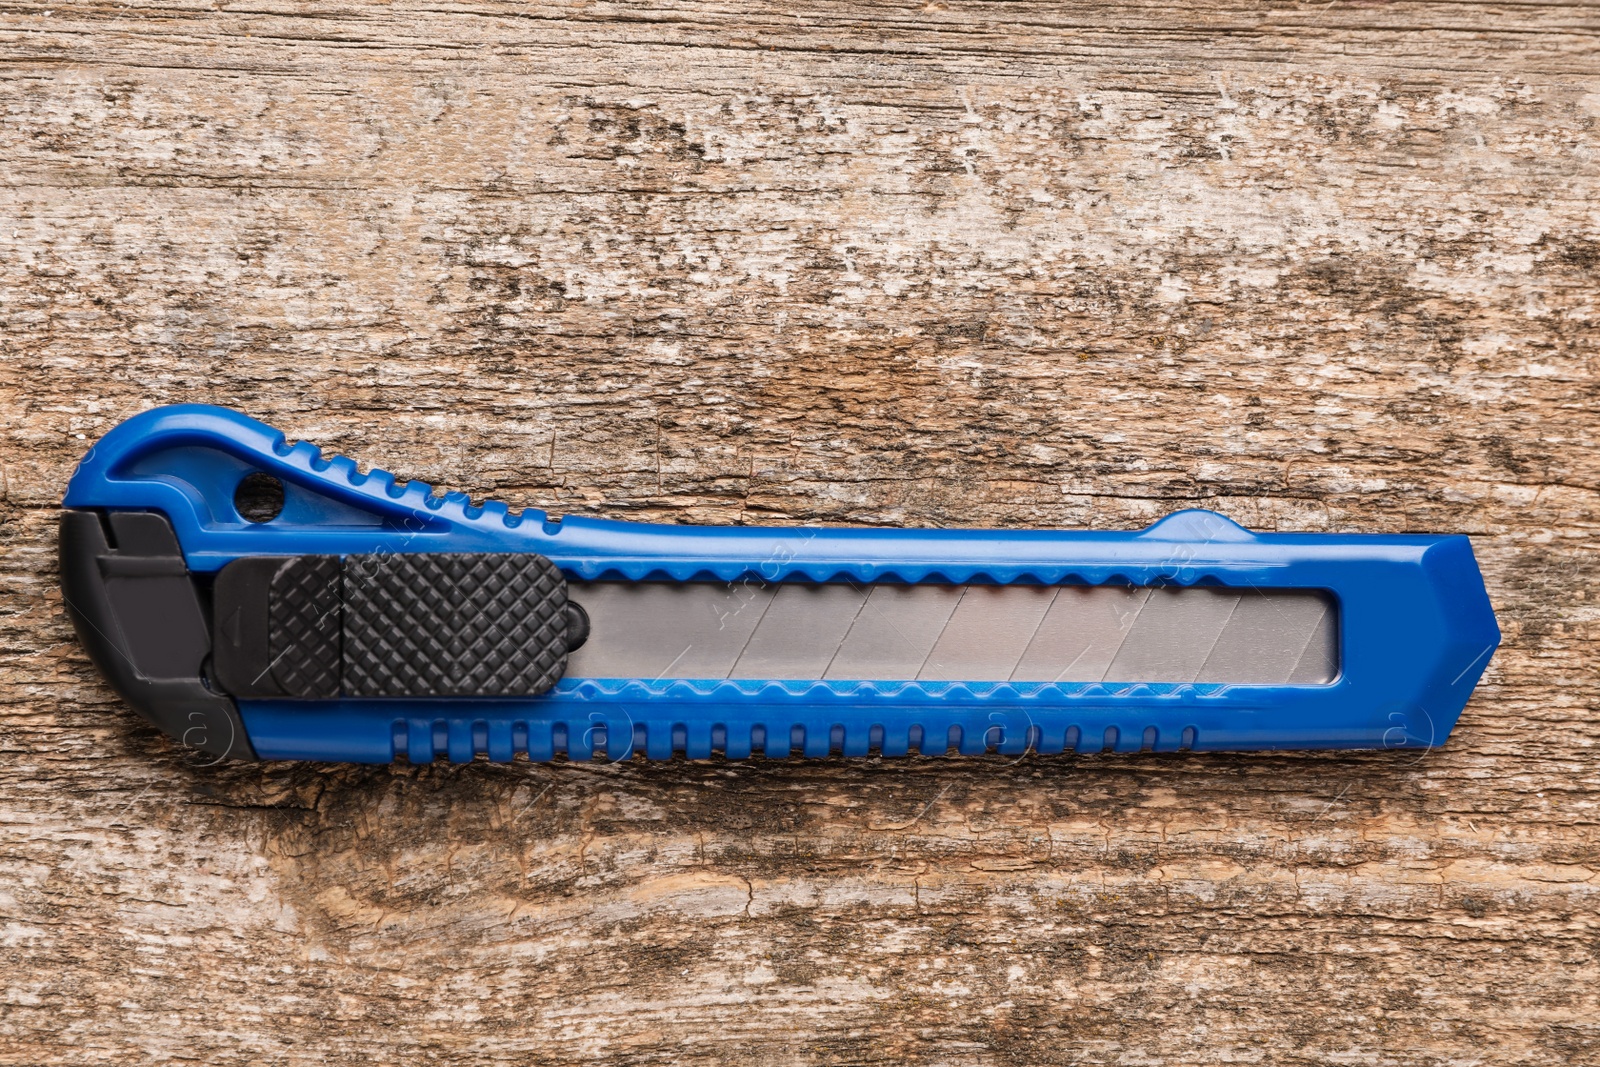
1416, 626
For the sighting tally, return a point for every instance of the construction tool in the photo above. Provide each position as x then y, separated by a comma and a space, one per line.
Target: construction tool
254, 599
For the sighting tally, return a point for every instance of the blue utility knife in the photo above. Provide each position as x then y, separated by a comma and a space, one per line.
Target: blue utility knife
258, 601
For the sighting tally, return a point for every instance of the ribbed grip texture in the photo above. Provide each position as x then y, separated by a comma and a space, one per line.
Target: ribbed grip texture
453, 624
303, 629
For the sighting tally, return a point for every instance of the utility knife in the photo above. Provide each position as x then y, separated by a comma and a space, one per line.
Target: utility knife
256, 600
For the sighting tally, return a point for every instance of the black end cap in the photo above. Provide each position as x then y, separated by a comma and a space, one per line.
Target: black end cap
139, 616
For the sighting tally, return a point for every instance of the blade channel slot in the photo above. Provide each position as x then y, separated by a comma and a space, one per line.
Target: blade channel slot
888, 632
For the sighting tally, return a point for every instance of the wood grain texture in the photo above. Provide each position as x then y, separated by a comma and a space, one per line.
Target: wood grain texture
1322, 266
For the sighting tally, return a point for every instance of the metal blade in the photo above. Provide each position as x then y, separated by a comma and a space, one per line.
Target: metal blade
975, 633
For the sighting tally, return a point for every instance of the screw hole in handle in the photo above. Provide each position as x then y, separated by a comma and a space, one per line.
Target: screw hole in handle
259, 498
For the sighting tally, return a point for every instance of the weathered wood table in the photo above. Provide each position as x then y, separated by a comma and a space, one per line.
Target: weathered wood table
1319, 266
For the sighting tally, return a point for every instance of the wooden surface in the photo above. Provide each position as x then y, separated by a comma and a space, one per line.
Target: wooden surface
1322, 266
